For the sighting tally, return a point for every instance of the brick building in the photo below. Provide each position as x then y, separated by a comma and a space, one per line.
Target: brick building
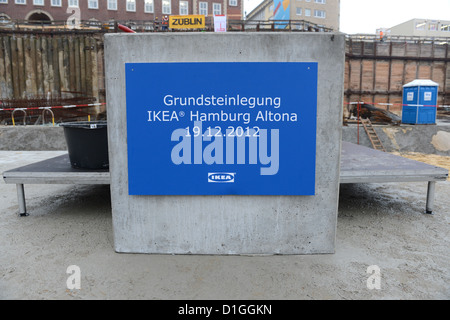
104, 10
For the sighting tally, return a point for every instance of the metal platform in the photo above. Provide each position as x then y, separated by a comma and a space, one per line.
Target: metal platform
55, 170
358, 165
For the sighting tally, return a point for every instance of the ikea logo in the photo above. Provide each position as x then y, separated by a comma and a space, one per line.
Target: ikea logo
223, 177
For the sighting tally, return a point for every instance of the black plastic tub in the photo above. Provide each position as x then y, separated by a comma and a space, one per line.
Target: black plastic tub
87, 142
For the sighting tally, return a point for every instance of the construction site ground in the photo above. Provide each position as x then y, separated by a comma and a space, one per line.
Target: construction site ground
379, 225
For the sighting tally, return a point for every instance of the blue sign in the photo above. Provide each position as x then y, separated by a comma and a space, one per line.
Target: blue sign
221, 128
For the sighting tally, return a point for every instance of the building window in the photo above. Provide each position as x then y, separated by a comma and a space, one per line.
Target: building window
38, 2
3, 17
217, 8
112, 4
432, 27
3, 1
131, 5
93, 4
73, 3
184, 7
307, 12
166, 7
56, 3
232, 3
445, 27
148, 6
420, 25
320, 14
21, 1
299, 11
203, 8
320, 1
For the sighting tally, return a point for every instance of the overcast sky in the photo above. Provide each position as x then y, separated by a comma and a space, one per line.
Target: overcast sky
365, 16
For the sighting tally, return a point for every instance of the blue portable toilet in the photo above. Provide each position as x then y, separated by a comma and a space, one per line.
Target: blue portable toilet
420, 102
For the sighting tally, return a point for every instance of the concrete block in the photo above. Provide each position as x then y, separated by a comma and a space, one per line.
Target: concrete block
228, 224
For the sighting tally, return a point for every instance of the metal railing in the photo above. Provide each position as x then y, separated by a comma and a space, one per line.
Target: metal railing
393, 38
90, 26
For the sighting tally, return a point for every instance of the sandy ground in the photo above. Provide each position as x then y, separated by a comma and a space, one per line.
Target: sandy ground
378, 224
436, 160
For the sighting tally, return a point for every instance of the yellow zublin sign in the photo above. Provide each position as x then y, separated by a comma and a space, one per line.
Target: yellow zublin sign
187, 22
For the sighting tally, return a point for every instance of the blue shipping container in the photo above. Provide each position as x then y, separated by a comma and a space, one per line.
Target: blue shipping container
420, 102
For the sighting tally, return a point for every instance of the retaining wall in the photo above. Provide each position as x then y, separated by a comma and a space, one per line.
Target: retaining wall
430, 139
32, 138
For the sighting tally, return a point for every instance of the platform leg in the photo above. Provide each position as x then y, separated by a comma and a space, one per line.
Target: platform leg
430, 197
21, 200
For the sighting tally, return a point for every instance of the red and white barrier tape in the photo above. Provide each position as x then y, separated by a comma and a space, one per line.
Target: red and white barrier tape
56, 107
396, 104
